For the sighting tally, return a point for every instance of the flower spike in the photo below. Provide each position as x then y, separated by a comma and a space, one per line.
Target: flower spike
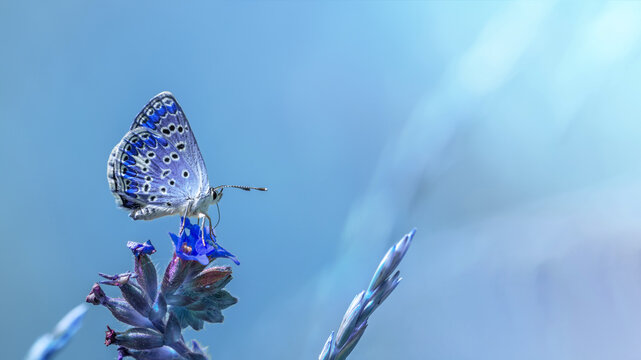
354, 323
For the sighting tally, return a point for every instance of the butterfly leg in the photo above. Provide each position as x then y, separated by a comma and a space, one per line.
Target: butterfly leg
182, 227
202, 227
211, 229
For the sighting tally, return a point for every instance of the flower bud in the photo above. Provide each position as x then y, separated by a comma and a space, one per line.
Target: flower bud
134, 338
132, 293
175, 275
210, 276
139, 249
134, 296
119, 308
96, 295
147, 278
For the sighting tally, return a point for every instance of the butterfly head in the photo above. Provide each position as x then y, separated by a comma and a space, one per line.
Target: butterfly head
215, 195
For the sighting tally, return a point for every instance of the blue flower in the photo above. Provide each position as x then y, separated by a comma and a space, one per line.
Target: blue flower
190, 246
139, 249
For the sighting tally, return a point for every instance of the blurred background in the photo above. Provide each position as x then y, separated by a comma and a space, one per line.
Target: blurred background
508, 133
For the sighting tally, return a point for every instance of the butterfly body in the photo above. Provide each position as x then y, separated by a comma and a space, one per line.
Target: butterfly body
156, 169
191, 207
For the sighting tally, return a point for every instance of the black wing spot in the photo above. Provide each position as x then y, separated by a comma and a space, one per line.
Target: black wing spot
185, 174
152, 198
174, 156
172, 182
166, 159
163, 189
166, 131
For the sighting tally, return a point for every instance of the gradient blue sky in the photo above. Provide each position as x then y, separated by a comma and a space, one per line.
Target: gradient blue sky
508, 133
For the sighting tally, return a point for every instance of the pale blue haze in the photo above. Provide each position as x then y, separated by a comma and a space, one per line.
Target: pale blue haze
508, 133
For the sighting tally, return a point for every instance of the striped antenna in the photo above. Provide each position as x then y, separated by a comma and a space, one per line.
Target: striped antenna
242, 187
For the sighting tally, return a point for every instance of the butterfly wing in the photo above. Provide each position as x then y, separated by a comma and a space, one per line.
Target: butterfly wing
164, 115
150, 176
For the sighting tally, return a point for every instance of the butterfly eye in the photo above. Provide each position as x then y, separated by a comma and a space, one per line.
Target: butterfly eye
214, 195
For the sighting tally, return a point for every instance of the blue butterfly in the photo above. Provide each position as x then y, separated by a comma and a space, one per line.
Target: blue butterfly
157, 169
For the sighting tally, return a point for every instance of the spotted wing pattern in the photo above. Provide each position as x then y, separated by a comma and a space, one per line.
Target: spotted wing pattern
157, 165
164, 115
146, 169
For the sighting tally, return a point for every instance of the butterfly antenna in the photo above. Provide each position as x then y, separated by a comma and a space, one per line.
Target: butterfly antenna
218, 221
242, 187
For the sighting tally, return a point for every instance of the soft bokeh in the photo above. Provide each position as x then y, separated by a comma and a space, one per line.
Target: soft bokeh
508, 133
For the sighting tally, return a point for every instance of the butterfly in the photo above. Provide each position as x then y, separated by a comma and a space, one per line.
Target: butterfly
157, 169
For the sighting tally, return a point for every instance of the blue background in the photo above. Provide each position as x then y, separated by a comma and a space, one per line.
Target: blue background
508, 133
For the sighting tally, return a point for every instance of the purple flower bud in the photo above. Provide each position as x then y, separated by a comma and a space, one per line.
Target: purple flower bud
210, 276
124, 312
146, 276
139, 249
132, 293
116, 280
119, 308
134, 338
175, 275
110, 336
136, 298
96, 295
